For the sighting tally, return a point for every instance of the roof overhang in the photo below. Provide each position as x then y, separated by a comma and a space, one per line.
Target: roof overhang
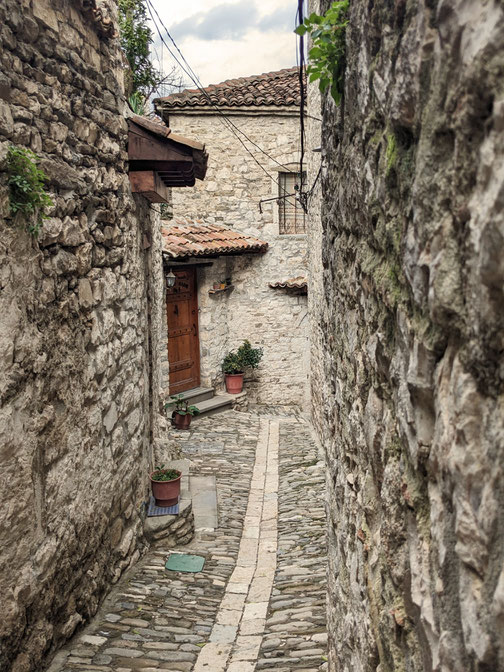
159, 158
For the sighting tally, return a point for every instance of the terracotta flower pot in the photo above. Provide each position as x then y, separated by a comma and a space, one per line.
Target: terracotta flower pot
166, 493
181, 421
234, 383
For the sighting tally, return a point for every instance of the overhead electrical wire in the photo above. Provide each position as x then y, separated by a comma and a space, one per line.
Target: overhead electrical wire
303, 196
194, 78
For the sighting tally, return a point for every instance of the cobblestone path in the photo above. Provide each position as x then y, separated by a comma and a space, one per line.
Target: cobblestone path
259, 602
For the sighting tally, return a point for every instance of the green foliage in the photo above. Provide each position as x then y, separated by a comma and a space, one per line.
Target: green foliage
232, 363
250, 356
179, 405
137, 103
27, 195
327, 55
162, 474
245, 357
136, 37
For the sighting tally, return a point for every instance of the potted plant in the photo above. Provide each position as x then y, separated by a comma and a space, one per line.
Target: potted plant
182, 411
235, 363
165, 484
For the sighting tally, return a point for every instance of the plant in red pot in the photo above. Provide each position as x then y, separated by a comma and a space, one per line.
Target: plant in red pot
182, 411
165, 485
235, 364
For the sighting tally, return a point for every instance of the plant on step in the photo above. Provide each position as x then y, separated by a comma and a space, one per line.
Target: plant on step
232, 364
181, 406
162, 474
249, 356
327, 55
245, 357
27, 194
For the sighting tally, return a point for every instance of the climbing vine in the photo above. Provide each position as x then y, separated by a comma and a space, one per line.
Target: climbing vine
27, 194
327, 55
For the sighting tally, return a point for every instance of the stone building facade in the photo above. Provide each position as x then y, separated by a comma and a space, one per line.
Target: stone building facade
408, 314
80, 317
266, 109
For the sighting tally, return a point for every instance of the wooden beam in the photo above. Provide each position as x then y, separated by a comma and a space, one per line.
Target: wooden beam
148, 184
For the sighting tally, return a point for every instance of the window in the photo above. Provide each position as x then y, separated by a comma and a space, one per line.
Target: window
291, 215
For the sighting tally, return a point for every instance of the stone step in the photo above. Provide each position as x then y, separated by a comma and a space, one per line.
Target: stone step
219, 403
198, 394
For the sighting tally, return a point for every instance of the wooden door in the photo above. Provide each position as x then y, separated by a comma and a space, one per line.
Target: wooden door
183, 336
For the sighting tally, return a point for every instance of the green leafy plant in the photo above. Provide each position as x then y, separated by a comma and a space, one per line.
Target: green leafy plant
327, 55
232, 363
27, 194
162, 474
137, 103
245, 357
179, 405
136, 38
250, 356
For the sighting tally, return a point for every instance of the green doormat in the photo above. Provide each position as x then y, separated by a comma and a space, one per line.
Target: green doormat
180, 562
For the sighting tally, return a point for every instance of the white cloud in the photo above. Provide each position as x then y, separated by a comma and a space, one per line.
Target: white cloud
217, 47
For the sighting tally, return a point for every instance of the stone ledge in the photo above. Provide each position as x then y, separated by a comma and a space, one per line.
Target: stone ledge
240, 402
174, 530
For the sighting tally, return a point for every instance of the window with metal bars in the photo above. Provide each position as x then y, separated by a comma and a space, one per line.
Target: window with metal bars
291, 216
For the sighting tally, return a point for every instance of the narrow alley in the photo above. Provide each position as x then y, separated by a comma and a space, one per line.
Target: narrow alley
259, 602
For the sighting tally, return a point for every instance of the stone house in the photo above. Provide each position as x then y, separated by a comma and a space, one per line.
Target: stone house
82, 308
267, 301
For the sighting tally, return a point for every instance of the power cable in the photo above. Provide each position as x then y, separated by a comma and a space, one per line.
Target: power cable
190, 72
192, 75
303, 196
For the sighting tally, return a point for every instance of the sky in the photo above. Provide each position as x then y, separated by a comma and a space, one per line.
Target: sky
224, 40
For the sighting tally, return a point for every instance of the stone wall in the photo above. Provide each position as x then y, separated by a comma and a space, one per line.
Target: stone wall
230, 194
78, 382
408, 394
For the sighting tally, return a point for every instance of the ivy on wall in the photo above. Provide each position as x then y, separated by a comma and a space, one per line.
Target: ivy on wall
27, 195
327, 55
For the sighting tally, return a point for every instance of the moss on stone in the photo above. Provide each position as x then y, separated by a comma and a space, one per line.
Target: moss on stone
391, 153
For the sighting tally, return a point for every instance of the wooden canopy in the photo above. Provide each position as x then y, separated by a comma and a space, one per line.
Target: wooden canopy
159, 159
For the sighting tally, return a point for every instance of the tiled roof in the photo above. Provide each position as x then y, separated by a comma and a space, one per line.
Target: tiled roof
272, 88
100, 15
301, 282
185, 238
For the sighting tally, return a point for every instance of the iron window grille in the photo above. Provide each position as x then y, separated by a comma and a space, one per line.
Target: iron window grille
291, 216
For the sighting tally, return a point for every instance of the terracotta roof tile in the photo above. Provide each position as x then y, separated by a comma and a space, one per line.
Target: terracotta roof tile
301, 282
186, 238
271, 88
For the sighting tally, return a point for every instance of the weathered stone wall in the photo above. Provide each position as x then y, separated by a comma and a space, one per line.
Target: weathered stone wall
408, 396
270, 318
78, 382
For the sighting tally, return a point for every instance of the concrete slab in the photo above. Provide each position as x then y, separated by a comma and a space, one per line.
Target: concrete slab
203, 490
